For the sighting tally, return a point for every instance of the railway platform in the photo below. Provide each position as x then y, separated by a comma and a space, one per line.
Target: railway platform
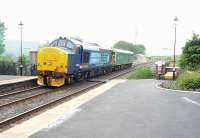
10, 82
6, 79
119, 108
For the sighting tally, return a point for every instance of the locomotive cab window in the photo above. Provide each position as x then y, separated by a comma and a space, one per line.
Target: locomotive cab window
54, 43
62, 43
58, 43
70, 45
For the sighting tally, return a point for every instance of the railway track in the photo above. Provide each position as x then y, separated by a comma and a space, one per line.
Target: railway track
17, 98
11, 93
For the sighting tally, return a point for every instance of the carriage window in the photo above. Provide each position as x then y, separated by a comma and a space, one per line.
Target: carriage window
70, 45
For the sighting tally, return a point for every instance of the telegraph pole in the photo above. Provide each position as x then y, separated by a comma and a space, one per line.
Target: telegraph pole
21, 59
174, 61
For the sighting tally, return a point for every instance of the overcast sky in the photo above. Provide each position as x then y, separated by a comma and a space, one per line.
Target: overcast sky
149, 22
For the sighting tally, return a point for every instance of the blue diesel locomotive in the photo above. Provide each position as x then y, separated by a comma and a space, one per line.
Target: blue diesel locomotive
68, 59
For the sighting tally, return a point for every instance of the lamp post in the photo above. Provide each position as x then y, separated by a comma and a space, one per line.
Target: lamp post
174, 61
21, 60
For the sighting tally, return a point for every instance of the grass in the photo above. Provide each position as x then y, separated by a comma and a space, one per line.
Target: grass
189, 80
171, 85
186, 81
142, 73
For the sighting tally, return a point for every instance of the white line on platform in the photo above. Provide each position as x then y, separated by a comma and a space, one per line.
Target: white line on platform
62, 119
191, 101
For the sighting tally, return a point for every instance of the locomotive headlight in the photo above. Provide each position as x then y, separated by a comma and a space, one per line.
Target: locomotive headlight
49, 63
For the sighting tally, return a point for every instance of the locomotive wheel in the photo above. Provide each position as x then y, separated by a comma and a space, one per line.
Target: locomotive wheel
45, 81
86, 75
69, 80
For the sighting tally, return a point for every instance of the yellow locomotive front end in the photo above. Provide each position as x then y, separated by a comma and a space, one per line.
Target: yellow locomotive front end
52, 66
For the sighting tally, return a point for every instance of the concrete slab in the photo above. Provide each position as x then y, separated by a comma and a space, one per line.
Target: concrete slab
131, 109
9, 79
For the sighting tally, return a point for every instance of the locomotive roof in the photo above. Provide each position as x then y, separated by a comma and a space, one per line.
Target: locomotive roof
90, 46
87, 45
123, 51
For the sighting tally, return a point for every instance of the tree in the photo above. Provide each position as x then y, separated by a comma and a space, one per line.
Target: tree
136, 49
25, 60
2, 31
139, 49
190, 57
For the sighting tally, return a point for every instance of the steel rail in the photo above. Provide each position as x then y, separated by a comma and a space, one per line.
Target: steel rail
46, 91
19, 92
29, 112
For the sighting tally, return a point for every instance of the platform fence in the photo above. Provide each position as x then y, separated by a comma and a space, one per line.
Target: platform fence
13, 68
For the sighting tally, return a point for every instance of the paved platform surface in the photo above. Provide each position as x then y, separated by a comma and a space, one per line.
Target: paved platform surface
8, 77
133, 109
5, 79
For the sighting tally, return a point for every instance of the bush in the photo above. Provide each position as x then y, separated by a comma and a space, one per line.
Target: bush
142, 73
189, 80
8, 68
